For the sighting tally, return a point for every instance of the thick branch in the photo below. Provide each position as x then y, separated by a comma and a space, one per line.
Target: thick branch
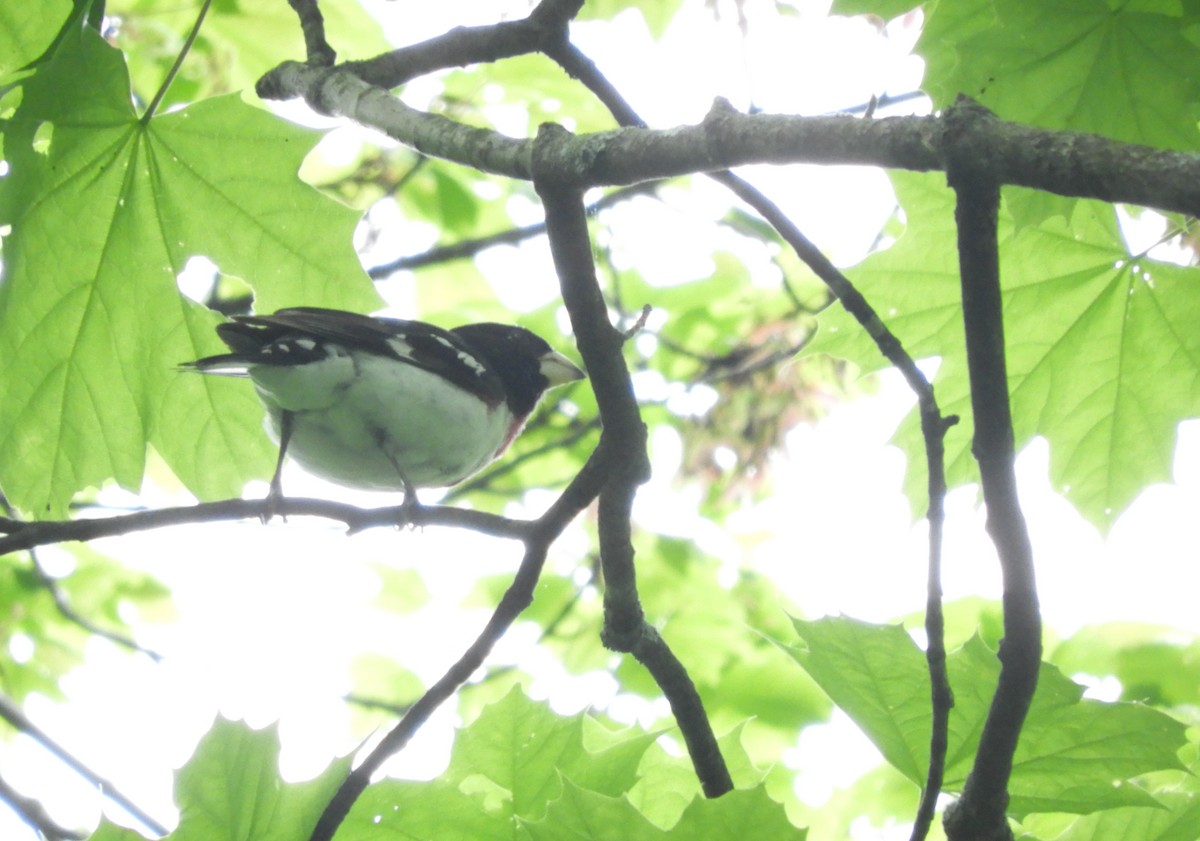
933, 425
1067, 163
980, 814
623, 450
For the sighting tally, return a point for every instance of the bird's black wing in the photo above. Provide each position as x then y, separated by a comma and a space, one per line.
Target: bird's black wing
300, 335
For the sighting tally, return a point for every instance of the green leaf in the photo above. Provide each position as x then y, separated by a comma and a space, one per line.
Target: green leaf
1149, 661
513, 761
886, 9
1074, 300
1178, 819
106, 210
588, 816
657, 15
27, 29
527, 84
426, 811
27, 611
1074, 755
239, 42
231, 789
1127, 73
668, 784
728, 816
876, 674
522, 748
98, 589
739, 674
108, 831
378, 676
947, 26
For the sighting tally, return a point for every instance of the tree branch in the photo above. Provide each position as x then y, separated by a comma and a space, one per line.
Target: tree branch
70, 614
541, 534
35, 816
63, 604
1066, 163
13, 714
933, 425
26, 535
980, 814
465, 45
312, 24
471, 247
623, 449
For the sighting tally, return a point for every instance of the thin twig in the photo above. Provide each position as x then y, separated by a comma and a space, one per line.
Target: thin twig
26, 535
484, 481
34, 814
376, 704
63, 604
471, 247
11, 713
624, 434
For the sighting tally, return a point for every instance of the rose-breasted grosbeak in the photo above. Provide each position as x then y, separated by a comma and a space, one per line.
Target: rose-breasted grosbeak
386, 404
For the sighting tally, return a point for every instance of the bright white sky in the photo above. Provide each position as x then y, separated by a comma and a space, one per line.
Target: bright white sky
269, 616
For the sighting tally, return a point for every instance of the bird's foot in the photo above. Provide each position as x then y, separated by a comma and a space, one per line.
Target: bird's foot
272, 505
410, 510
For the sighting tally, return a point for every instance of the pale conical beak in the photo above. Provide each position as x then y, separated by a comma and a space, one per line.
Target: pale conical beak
558, 370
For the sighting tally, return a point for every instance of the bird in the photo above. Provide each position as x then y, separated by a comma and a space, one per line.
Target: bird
387, 404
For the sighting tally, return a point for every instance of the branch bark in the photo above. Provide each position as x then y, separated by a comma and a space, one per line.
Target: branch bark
933, 424
980, 814
21, 534
1066, 163
623, 449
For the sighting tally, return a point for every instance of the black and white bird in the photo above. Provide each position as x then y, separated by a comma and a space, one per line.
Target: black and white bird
386, 404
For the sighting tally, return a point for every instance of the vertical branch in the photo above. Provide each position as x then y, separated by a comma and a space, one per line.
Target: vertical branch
622, 450
312, 24
933, 424
934, 427
933, 431
980, 813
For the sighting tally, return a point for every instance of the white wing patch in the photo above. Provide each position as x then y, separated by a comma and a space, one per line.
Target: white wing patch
463, 357
401, 347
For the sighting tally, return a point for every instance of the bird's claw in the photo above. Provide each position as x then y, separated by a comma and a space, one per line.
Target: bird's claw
272, 505
410, 509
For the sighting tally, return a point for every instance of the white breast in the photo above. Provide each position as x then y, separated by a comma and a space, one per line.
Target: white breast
358, 416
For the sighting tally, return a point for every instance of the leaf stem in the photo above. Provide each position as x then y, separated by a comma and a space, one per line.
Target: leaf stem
174, 71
